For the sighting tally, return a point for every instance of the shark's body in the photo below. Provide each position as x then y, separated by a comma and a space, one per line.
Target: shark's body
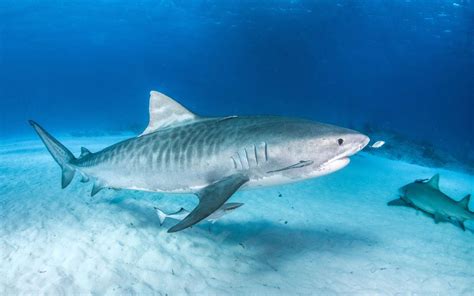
180, 152
426, 196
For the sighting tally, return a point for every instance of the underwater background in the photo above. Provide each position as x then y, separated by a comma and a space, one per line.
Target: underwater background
398, 71
404, 66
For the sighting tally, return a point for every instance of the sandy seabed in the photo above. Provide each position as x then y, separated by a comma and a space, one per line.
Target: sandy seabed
327, 236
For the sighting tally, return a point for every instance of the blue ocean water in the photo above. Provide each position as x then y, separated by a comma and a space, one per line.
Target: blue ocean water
405, 66
401, 71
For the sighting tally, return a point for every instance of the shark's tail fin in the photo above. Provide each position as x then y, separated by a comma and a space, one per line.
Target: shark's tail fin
60, 153
161, 215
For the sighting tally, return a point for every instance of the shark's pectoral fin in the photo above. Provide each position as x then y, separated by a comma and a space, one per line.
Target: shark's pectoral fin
398, 202
211, 198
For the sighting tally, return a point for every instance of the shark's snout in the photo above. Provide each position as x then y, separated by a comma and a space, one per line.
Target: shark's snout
355, 143
349, 144
362, 141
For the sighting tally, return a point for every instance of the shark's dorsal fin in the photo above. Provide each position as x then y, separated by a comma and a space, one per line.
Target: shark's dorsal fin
465, 202
164, 112
84, 152
434, 181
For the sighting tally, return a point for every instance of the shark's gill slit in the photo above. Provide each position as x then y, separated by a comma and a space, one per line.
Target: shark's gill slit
255, 152
235, 163
266, 151
240, 159
247, 156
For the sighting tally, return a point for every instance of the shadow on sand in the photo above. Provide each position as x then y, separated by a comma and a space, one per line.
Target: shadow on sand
262, 240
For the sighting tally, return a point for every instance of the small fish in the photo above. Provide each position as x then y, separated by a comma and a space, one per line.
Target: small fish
378, 144
182, 213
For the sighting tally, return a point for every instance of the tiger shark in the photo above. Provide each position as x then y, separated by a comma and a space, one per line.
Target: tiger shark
211, 157
425, 195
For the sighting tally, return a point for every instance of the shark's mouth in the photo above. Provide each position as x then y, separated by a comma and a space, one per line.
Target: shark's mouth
338, 162
334, 164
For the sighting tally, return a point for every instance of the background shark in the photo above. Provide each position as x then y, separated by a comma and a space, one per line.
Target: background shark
425, 195
212, 157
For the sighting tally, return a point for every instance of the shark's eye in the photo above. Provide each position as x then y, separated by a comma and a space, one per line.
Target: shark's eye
340, 141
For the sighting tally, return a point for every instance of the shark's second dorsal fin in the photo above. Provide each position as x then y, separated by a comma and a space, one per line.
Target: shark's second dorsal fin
84, 152
465, 202
164, 112
434, 181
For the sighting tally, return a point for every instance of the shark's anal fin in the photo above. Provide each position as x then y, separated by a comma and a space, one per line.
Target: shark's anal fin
98, 186
212, 198
399, 203
84, 179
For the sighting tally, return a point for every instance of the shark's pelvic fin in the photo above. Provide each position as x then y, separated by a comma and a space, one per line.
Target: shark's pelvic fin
59, 152
434, 181
84, 152
164, 112
465, 202
212, 198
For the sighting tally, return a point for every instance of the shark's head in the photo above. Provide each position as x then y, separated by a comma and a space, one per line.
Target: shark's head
318, 149
331, 152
